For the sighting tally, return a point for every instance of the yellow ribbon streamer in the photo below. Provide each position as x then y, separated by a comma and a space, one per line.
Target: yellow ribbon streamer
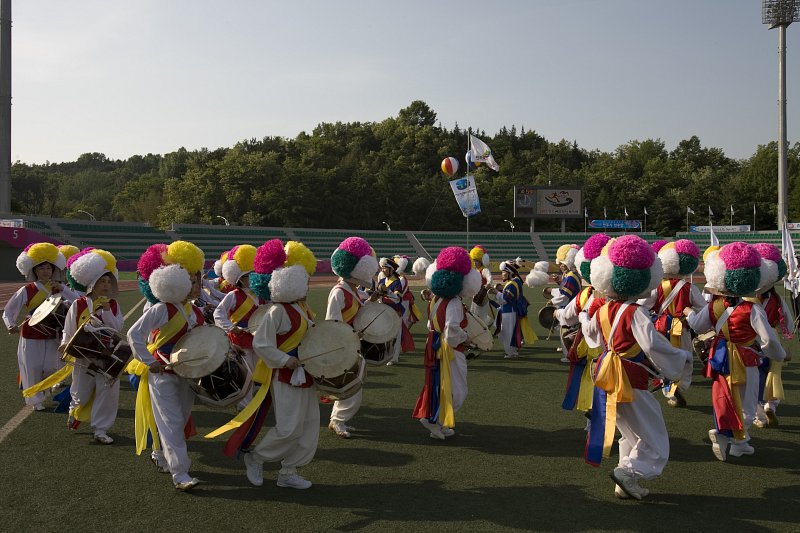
528, 335
53, 379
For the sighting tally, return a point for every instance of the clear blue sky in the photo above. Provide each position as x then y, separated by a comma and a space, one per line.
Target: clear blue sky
127, 78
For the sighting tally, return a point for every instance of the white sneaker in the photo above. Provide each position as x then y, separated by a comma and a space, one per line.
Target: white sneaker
565, 360
719, 444
103, 438
340, 429
293, 481
510, 356
254, 470
160, 463
629, 483
39, 407
435, 429
761, 423
741, 448
622, 495
187, 485
448, 432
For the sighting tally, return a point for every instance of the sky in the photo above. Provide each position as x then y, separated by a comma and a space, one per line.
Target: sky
151, 76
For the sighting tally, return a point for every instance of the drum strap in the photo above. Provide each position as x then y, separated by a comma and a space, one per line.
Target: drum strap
673, 293
175, 325
244, 309
37, 299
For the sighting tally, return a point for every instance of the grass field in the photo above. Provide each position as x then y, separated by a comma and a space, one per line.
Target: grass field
515, 464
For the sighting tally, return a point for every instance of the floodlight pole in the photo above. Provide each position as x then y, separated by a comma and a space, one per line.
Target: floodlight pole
5, 107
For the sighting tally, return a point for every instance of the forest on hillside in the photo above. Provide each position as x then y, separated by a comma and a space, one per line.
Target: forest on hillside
357, 175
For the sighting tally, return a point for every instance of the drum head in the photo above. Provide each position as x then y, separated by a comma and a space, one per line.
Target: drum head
377, 322
479, 334
546, 293
546, 317
201, 351
50, 304
257, 318
329, 348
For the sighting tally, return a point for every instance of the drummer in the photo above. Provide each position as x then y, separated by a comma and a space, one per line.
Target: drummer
483, 311
37, 353
293, 440
238, 305
96, 274
568, 288
450, 278
175, 283
354, 265
514, 308
390, 291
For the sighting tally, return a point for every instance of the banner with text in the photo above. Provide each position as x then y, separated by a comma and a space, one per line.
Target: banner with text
721, 229
466, 194
531, 201
615, 224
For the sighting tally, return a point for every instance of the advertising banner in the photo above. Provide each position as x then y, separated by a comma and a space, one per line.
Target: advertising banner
615, 224
547, 202
466, 194
721, 229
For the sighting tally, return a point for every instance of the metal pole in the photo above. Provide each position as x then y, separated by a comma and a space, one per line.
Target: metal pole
5, 107
782, 142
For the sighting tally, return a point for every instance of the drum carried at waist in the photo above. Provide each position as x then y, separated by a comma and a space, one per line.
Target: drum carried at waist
547, 316
330, 353
481, 296
378, 325
102, 350
49, 317
217, 371
257, 318
479, 334
701, 345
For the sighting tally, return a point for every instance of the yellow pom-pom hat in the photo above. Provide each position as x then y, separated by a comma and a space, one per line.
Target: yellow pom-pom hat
172, 281
565, 255
289, 283
478, 254
68, 250
36, 254
239, 262
91, 266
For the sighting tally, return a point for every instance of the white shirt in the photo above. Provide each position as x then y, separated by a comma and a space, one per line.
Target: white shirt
154, 318
265, 342
106, 316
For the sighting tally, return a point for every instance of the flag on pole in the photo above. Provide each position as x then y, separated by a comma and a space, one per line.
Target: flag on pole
481, 153
689, 210
645, 211
605, 215
787, 251
585, 212
626, 211
732, 211
713, 236
754, 209
710, 212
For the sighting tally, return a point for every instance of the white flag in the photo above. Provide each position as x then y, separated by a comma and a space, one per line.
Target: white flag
710, 212
689, 210
481, 153
645, 211
585, 212
626, 211
714, 240
787, 251
605, 215
754, 209
732, 211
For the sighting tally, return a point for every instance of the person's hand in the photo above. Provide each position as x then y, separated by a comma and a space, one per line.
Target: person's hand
293, 363
687, 311
55, 288
236, 330
13, 330
155, 367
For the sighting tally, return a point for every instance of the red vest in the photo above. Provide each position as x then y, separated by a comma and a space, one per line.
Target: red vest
285, 374
680, 301
623, 341
243, 339
165, 349
32, 332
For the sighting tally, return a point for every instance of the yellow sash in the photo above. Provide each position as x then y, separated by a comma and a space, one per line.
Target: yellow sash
38, 298
445, 354
262, 375
612, 378
170, 329
350, 312
56, 377
240, 312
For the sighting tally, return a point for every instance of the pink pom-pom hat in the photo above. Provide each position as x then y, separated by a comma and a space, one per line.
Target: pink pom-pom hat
151, 259
769, 252
738, 255
631, 251
455, 259
685, 246
657, 245
594, 245
356, 246
269, 256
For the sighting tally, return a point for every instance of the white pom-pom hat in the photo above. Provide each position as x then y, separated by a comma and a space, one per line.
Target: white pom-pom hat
36, 254
92, 266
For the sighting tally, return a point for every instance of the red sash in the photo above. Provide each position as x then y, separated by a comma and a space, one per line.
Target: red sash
285, 374
242, 339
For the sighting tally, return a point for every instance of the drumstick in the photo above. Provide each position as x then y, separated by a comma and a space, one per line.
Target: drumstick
373, 320
176, 363
319, 354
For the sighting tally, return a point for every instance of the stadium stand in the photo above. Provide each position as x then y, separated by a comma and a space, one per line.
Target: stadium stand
703, 240
386, 243
499, 246
551, 241
217, 239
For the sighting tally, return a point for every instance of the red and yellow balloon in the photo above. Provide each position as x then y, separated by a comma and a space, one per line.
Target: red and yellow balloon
450, 166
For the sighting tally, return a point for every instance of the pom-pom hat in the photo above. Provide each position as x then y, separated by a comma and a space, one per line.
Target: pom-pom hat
89, 267
68, 250
773, 267
451, 274
41, 252
386, 262
565, 255
591, 249
658, 245
679, 258
168, 269
478, 254
421, 266
353, 260
735, 270
538, 276
402, 263
281, 272
240, 262
626, 268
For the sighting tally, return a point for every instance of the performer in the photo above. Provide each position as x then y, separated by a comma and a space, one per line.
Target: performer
390, 292
733, 272
779, 315
293, 440
481, 304
42, 265
668, 304
94, 398
632, 348
581, 354
175, 282
450, 278
411, 313
568, 287
354, 265
514, 307
238, 305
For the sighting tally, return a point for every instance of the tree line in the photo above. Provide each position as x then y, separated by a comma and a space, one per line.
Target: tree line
357, 175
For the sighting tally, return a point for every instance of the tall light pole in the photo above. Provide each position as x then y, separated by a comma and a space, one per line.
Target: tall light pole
225, 220
510, 224
5, 107
388, 227
779, 14
91, 216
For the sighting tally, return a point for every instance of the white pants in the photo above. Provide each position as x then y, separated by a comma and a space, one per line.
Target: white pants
398, 343
172, 399
37, 359
344, 410
507, 332
644, 445
749, 396
293, 440
458, 380
106, 397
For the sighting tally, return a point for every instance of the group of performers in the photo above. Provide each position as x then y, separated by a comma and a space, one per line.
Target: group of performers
632, 310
